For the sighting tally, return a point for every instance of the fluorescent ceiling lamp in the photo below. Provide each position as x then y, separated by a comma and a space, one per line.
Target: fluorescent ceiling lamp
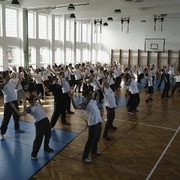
15, 2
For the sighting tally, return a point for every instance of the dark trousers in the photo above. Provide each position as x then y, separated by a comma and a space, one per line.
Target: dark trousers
165, 92
134, 99
110, 119
40, 89
43, 129
8, 112
117, 82
56, 113
93, 138
67, 101
177, 84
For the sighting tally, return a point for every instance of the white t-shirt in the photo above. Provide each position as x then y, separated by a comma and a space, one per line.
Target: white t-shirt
9, 92
92, 112
37, 111
109, 98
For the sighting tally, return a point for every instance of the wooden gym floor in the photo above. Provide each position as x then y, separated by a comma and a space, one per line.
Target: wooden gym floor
145, 145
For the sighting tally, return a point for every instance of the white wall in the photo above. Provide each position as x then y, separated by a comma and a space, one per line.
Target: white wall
114, 38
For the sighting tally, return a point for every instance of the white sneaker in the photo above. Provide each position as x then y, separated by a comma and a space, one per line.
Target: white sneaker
87, 160
34, 158
130, 113
2, 137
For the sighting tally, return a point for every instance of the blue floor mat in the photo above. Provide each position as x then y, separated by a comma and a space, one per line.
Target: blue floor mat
15, 151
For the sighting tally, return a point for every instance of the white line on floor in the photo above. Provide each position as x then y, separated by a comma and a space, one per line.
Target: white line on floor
165, 150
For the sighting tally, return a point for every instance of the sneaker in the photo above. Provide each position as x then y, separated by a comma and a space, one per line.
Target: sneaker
2, 137
19, 131
130, 113
70, 112
34, 158
48, 149
150, 99
107, 138
87, 160
52, 129
66, 123
146, 100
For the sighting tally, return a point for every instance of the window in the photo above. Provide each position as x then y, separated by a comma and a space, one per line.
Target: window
58, 58
57, 28
78, 31
43, 26
1, 59
44, 55
13, 55
11, 22
69, 56
1, 21
78, 56
84, 33
31, 25
32, 55
85, 55
67, 30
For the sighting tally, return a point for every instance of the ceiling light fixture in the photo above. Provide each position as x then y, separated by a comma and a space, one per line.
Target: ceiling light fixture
72, 16
71, 7
117, 11
15, 2
109, 19
105, 24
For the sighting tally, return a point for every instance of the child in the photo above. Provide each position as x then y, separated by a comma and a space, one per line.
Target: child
110, 104
94, 123
42, 125
150, 90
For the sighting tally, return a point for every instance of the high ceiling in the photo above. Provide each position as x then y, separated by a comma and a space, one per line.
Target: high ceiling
135, 9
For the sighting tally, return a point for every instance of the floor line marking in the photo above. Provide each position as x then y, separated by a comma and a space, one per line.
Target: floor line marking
148, 125
160, 158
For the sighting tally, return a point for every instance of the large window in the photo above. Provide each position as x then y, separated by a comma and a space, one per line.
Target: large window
58, 56
11, 22
78, 31
85, 55
78, 56
32, 55
43, 26
13, 55
44, 56
31, 25
69, 56
69, 30
84, 32
1, 59
57, 28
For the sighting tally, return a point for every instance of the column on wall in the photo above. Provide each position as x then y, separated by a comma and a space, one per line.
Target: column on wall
129, 56
179, 61
120, 56
138, 57
112, 56
158, 61
168, 58
148, 59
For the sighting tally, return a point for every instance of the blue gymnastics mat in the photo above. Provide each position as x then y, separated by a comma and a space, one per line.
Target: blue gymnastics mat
15, 151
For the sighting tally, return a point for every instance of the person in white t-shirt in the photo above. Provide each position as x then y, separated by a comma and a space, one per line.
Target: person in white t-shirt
110, 104
94, 123
42, 125
10, 96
